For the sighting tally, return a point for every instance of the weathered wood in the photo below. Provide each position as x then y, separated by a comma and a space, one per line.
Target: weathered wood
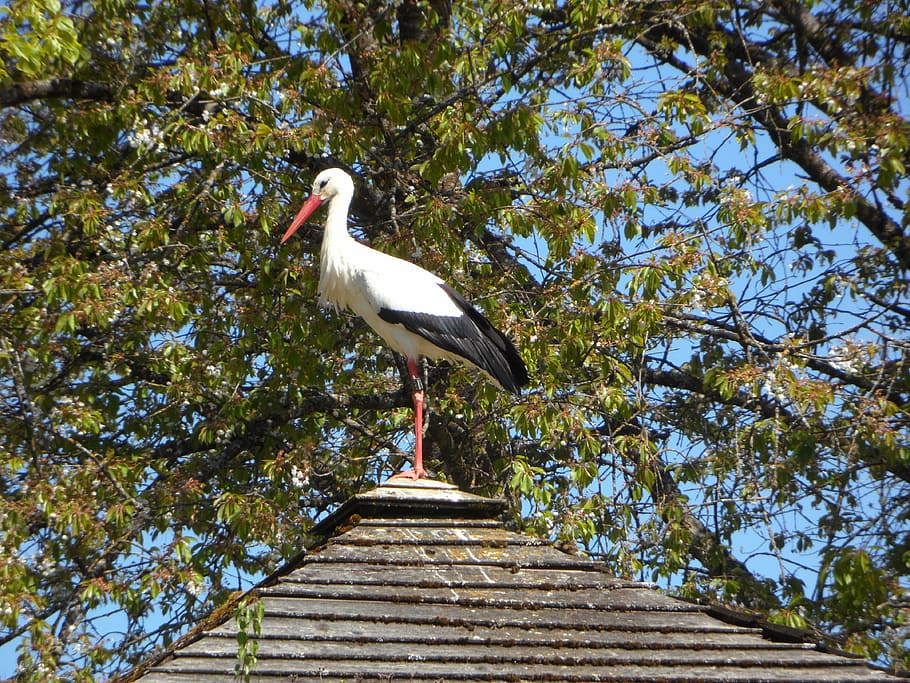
460, 576
428, 587
479, 555
417, 668
525, 598
417, 522
624, 675
403, 500
439, 534
691, 619
347, 630
519, 653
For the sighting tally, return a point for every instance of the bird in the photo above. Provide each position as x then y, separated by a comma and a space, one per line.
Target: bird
413, 310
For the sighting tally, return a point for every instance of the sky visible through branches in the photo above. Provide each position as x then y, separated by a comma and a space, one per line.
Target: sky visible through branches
690, 219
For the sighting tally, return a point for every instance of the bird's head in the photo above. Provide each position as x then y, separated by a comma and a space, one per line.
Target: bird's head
330, 183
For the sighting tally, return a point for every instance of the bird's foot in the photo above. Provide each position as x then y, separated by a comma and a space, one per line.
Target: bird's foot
413, 475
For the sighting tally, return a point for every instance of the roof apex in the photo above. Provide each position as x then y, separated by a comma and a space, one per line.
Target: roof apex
397, 498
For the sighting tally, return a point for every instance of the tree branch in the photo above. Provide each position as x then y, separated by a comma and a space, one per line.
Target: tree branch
705, 547
736, 85
53, 88
713, 328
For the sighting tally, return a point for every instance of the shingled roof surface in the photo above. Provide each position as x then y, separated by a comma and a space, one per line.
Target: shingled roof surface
422, 582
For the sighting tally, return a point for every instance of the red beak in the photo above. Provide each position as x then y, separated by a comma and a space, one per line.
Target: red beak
309, 206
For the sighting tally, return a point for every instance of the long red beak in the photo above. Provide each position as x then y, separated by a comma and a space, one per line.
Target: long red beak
309, 206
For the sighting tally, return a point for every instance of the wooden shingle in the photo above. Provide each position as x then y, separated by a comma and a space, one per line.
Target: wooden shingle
419, 581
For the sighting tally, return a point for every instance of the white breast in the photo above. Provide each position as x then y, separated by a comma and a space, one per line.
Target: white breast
367, 281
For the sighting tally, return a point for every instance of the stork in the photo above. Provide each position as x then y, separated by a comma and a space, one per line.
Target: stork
417, 313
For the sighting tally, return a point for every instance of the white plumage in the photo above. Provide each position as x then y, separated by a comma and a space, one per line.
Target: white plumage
417, 313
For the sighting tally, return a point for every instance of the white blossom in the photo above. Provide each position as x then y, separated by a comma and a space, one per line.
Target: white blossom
299, 477
195, 587
147, 137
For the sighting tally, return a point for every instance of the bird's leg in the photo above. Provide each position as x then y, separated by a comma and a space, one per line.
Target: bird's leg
418, 419
418, 470
418, 435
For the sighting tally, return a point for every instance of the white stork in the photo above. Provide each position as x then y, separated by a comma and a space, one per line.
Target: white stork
413, 310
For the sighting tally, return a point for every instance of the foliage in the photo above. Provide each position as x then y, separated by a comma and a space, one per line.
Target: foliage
248, 616
691, 217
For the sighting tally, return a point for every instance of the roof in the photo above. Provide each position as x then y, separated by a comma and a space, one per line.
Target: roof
422, 582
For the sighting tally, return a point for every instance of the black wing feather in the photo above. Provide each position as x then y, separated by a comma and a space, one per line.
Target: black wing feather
470, 336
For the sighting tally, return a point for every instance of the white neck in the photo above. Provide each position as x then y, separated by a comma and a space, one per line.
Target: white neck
336, 226
335, 245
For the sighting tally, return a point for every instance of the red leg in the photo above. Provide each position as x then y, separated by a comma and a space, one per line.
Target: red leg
418, 435
418, 470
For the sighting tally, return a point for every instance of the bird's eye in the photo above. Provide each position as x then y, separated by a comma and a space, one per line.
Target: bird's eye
323, 183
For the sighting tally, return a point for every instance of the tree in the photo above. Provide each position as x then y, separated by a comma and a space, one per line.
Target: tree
691, 217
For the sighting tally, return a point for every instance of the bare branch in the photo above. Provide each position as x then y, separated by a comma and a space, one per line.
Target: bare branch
54, 88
